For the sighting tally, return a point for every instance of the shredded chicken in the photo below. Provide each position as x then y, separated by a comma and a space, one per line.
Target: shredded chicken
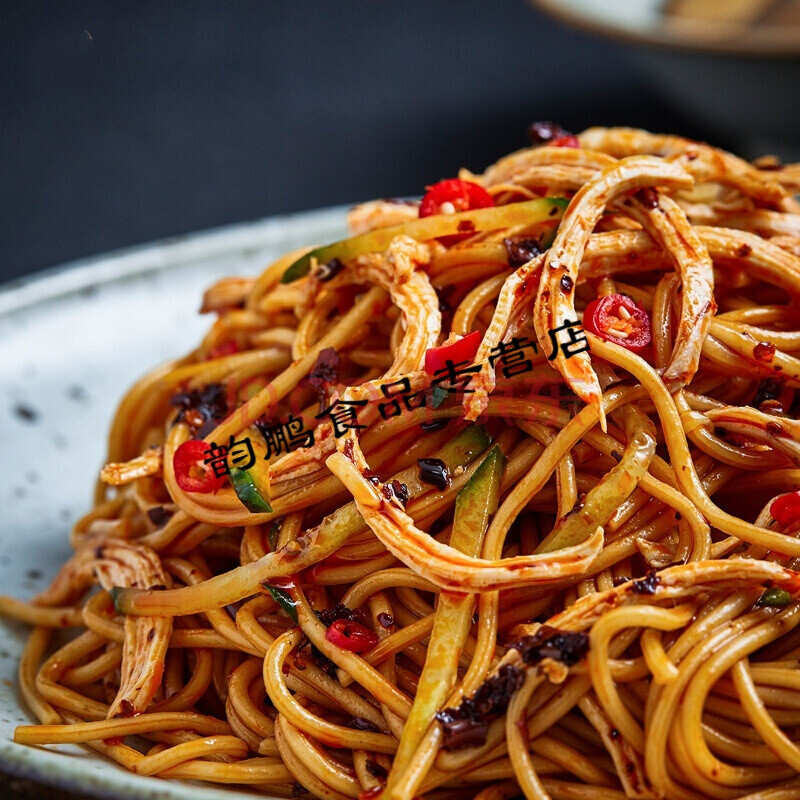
554, 310
399, 270
664, 220
439, 563
146, 465
226, 293
114, 563
380, 214
705, 163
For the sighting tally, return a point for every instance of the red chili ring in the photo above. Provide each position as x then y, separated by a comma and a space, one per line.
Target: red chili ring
191, 473
351, 636
569, 140
619, 319
785, 510
225, 349
461, 195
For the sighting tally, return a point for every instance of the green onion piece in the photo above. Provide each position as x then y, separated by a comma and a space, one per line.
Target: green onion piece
272, 534
438, 396
776, 598
283, 599
483, 219
115, 592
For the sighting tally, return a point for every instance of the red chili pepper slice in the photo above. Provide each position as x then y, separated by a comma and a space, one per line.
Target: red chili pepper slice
461, 195
619, 319
450, 196
570, 140
785, 510
224, 349
351, 636
192, 474
463, 349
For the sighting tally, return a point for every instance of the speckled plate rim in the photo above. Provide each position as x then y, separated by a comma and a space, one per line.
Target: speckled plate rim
58, 769
164, 254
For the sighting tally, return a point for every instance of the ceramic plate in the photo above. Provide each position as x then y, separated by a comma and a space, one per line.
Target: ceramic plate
72, 340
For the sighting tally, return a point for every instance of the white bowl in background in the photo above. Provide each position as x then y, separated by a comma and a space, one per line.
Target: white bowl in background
737, 80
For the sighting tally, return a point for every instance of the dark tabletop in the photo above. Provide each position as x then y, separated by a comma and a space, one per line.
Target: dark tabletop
124, 122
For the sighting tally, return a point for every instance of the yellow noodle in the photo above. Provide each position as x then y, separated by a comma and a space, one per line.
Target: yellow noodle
636, 529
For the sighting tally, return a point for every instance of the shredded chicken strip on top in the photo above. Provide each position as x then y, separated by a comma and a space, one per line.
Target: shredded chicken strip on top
399, 271
787, 175
443, 565
554, 309
664, 220
517, 288
515, 166
763, 221
146, 465
786, 242
634, 251
626, 252
375, 214
115, 563
704, 162
674, 583
765, 260
226, 293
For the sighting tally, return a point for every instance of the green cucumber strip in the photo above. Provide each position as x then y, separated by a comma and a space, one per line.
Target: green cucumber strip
483, 219
460, 451
549, 237
115, 592
476, 502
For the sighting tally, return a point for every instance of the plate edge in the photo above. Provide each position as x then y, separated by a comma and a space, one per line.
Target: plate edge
73, 276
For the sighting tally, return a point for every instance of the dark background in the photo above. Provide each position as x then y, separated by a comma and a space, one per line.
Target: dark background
125, 122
